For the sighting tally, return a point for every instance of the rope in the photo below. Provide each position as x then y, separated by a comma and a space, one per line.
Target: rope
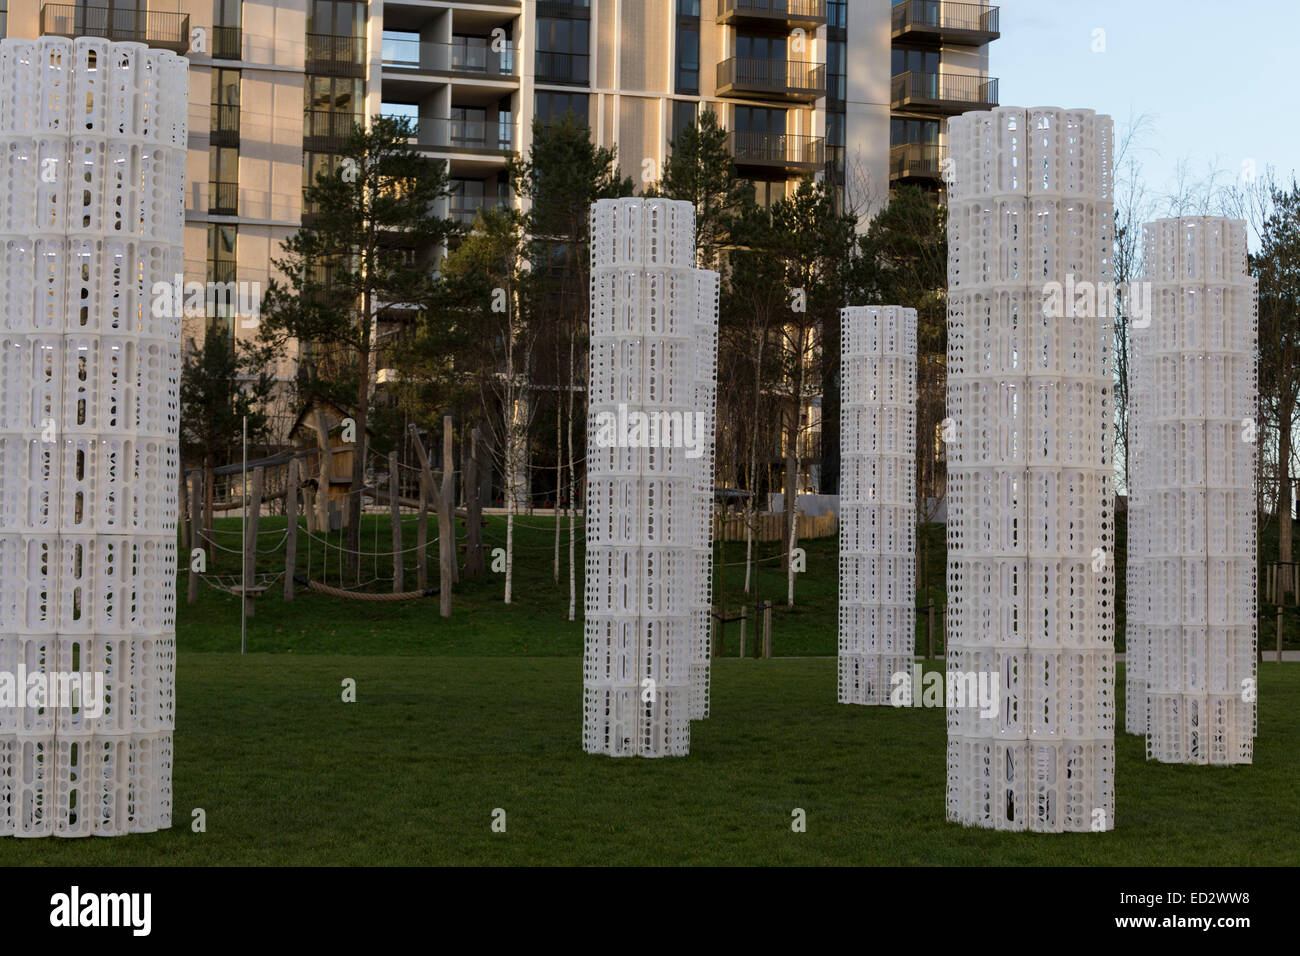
365, 595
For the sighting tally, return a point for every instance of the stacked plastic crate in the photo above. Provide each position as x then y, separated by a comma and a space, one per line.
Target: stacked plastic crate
92, 142
1029, 470
877, 502
1194, 587
649, 479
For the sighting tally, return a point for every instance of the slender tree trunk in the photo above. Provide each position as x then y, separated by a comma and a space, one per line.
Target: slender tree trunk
359, 449
1286, 421
559, 476
751, 508
209, 493
570, 504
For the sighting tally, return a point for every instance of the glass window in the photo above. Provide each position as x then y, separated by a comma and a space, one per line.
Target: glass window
759, 119
760, 47
551, 106
223, 164
683, 116
904, 60
345, 18
225, 87
688, 59
227, 13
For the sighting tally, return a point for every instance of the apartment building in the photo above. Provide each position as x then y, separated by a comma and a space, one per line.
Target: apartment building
856, 91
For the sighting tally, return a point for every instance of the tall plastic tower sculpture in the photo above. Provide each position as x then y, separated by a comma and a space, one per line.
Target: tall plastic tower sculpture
92, 182
1029, 469
877, 501
1191, 622
649, 499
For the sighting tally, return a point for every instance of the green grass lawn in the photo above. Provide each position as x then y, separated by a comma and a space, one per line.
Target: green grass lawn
455, 718
411, 772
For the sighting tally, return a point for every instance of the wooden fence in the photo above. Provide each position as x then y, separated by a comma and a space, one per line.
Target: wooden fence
772, 527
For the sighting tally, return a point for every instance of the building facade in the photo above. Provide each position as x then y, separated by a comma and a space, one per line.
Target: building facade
856, 91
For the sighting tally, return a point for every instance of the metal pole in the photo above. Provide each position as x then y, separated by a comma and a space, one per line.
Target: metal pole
243, 553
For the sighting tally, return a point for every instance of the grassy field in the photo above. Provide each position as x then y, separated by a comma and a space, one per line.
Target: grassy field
411, 773
454, 719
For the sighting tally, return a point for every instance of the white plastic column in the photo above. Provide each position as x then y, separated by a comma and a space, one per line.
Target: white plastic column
92, 183
649, 479
877, 501
1029, 469
1191, 602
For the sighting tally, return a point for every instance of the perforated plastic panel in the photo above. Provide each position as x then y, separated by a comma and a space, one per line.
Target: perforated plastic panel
877, 501
1029, 470
92, 160
1191, 604
654, 327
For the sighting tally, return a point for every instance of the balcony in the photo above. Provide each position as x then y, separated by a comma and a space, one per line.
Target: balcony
784, 79
227, 43
225, 125
457, 135
325, 131
467, 56
944, 93
465, 209
223, 199
785, 14
166, 31
563, 68
932, 21
336, 55
792, 152
916, 161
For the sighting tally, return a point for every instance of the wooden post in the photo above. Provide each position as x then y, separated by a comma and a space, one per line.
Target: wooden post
324, 468
250, 536
929, 631
422, 525
309, 507
474, 559
744, 618
1279, 633
446, 524
767, 630
196, 529
395, 509
291, 528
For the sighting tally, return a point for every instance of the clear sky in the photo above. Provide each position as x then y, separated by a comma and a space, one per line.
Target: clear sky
1219, 81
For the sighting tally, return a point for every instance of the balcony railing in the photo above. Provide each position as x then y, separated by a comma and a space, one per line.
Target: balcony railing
916, 161
167, 31
966, 23
223, 199
789, 13
225, 125
227, 43
443, 132
789, 79
472, 56
946, 93
338, 55
465, 209
565, 9
787, 150
563, 67
325, 131
221, 270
